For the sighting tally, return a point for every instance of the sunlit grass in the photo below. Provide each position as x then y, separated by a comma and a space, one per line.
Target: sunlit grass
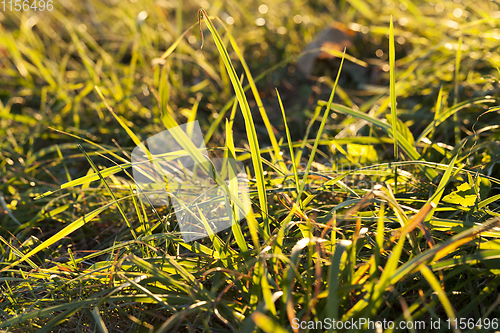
371, 197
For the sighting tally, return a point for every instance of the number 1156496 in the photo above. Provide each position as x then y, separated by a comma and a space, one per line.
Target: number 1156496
25, 5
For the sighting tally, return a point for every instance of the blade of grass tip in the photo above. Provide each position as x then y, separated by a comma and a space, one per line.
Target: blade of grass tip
289, 138
247, 115
392, 58
192, 116
455, 100
96, 170
439, 104
318, 136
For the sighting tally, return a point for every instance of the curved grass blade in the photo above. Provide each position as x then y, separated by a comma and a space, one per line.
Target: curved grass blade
247, 115
256, 95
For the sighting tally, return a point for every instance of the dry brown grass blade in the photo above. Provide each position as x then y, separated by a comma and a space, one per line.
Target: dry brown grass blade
416, 221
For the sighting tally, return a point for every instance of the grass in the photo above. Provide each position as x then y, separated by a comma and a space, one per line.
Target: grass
358, 209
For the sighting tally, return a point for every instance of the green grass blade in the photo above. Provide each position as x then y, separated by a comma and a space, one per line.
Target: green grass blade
98, 320
267, 324
96, 170
266, 72
458, 59
185, 142
436, 197
75, 225
93, 177
176, 43
256, 95
266, 291
289, 139
332, 306
405, 145
363, 8
247, 115
439, 119
233, 182
131, 134
45, 312
443, 249
17, 252
318, 136
441, 294
394, 115
164, 90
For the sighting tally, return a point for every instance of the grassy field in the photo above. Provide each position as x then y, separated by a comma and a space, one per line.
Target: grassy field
374, 182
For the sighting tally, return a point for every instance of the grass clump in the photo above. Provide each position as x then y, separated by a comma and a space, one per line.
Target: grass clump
371, 198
